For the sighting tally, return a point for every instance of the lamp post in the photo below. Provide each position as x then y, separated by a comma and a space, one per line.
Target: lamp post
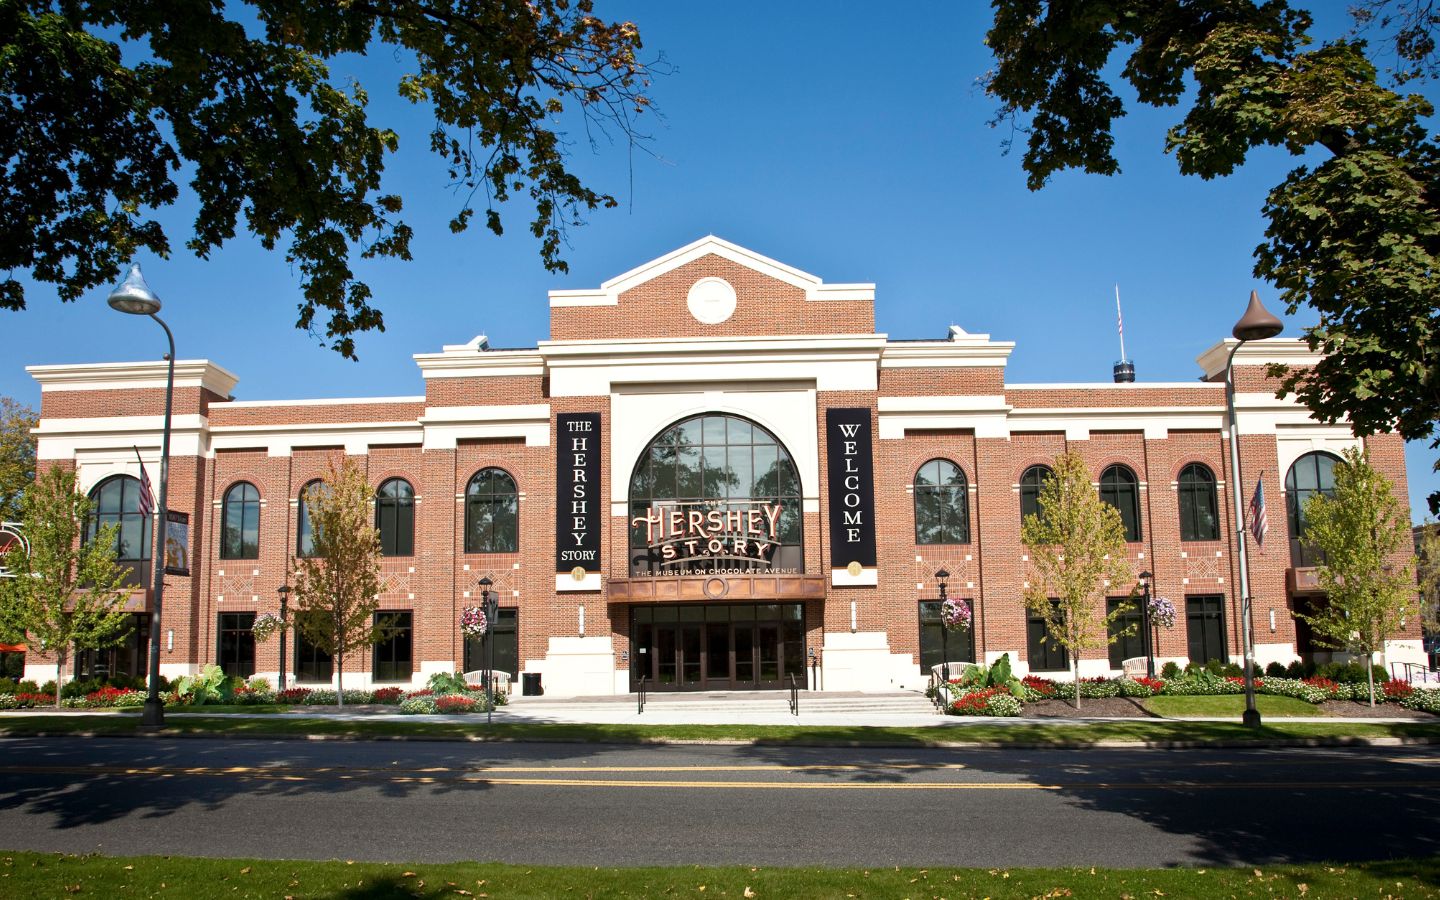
489, 603
1146, 633
941, 577
284, 592
134, 296
1256, 325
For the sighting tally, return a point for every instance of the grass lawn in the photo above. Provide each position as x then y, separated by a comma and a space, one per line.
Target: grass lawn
1229, 705
474, 728
55, 875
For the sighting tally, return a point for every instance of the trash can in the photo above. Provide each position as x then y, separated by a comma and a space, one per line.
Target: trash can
530, 684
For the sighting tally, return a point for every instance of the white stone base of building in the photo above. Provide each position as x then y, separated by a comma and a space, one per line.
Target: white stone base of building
579, 667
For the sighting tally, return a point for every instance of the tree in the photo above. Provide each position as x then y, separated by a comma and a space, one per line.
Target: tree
17, 456
338, 587
1359, 531
1075, 543
1355, 236
1427, 571
74, 591
241, 96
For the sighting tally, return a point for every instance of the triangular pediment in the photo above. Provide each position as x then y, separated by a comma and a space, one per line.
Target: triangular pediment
609, 292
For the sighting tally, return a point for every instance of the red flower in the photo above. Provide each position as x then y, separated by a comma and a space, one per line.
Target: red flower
975, 702
1042, 686
454, 703
1397, 690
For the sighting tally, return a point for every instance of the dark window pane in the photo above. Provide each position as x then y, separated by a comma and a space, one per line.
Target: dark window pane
1199, 519
934, 643
1044, 653
236, 652
240, 523
311, 663
1133, 644
304, 533
1030, 484
1119, 489
395, 517
492, 507
1205, 628
394, 656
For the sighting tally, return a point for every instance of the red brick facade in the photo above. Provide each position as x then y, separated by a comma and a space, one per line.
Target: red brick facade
621, 360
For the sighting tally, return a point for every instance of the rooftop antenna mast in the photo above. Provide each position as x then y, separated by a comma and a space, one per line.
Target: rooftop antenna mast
1124, 369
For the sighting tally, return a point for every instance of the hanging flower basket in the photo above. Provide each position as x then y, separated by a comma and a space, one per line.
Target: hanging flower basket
266, 624
472, 621
955, 615
1162, 612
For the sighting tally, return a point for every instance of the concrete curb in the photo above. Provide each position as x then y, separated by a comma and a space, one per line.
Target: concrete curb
1106, 744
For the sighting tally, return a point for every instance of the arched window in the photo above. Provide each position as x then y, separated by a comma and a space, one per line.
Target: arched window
1311, 474
304, 534
395, 517
492, 513
240, 523
1199, 513
1030, 483
116, 501
1119, 489
727, 469
942, 510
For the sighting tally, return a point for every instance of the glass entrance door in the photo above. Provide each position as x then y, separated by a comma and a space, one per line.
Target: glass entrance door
718, 646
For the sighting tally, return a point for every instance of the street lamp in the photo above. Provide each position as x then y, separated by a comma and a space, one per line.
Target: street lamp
134, 296
284, 592
489, 602
941, 576
1256, 325
1145, 639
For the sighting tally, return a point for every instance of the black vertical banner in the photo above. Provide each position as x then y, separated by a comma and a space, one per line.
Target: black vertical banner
577, 492
852, 487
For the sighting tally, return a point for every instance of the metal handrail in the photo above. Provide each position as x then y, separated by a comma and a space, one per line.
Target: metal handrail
641, 694
794, 696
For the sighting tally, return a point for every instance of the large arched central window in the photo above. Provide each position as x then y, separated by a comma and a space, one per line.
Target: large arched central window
713, 493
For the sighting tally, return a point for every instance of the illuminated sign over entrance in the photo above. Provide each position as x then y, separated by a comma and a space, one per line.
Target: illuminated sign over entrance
682, 534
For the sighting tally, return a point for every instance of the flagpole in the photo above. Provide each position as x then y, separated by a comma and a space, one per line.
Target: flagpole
1120, 323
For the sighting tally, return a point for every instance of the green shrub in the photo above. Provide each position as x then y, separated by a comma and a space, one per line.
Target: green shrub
259, 684
1200, 682
1170, 670
48, 688
1275, 670
1232, 670
7, 686
442, 683
30, 687
211, 685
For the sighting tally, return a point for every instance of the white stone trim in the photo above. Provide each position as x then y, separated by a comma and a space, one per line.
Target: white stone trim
608, 294
444, 426
347, 401
566, 583
189, 373
1286, 351
867, 578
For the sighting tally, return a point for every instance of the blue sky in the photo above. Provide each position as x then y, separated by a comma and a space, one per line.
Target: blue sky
847, 143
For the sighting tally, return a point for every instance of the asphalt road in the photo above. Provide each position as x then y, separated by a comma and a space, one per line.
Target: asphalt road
610, 805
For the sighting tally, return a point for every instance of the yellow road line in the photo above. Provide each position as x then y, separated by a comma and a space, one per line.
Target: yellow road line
273, 774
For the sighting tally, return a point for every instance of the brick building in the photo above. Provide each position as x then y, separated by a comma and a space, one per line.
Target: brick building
714, 474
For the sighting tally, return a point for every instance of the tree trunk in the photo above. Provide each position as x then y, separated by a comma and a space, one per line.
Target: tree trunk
1370, 677
60, 657
1077, 683
340, 679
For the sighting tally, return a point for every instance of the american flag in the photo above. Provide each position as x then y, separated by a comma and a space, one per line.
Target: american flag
147, 497
1259, 522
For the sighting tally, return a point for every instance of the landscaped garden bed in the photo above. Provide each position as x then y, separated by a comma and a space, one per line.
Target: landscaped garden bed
211, 689
1330, 690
